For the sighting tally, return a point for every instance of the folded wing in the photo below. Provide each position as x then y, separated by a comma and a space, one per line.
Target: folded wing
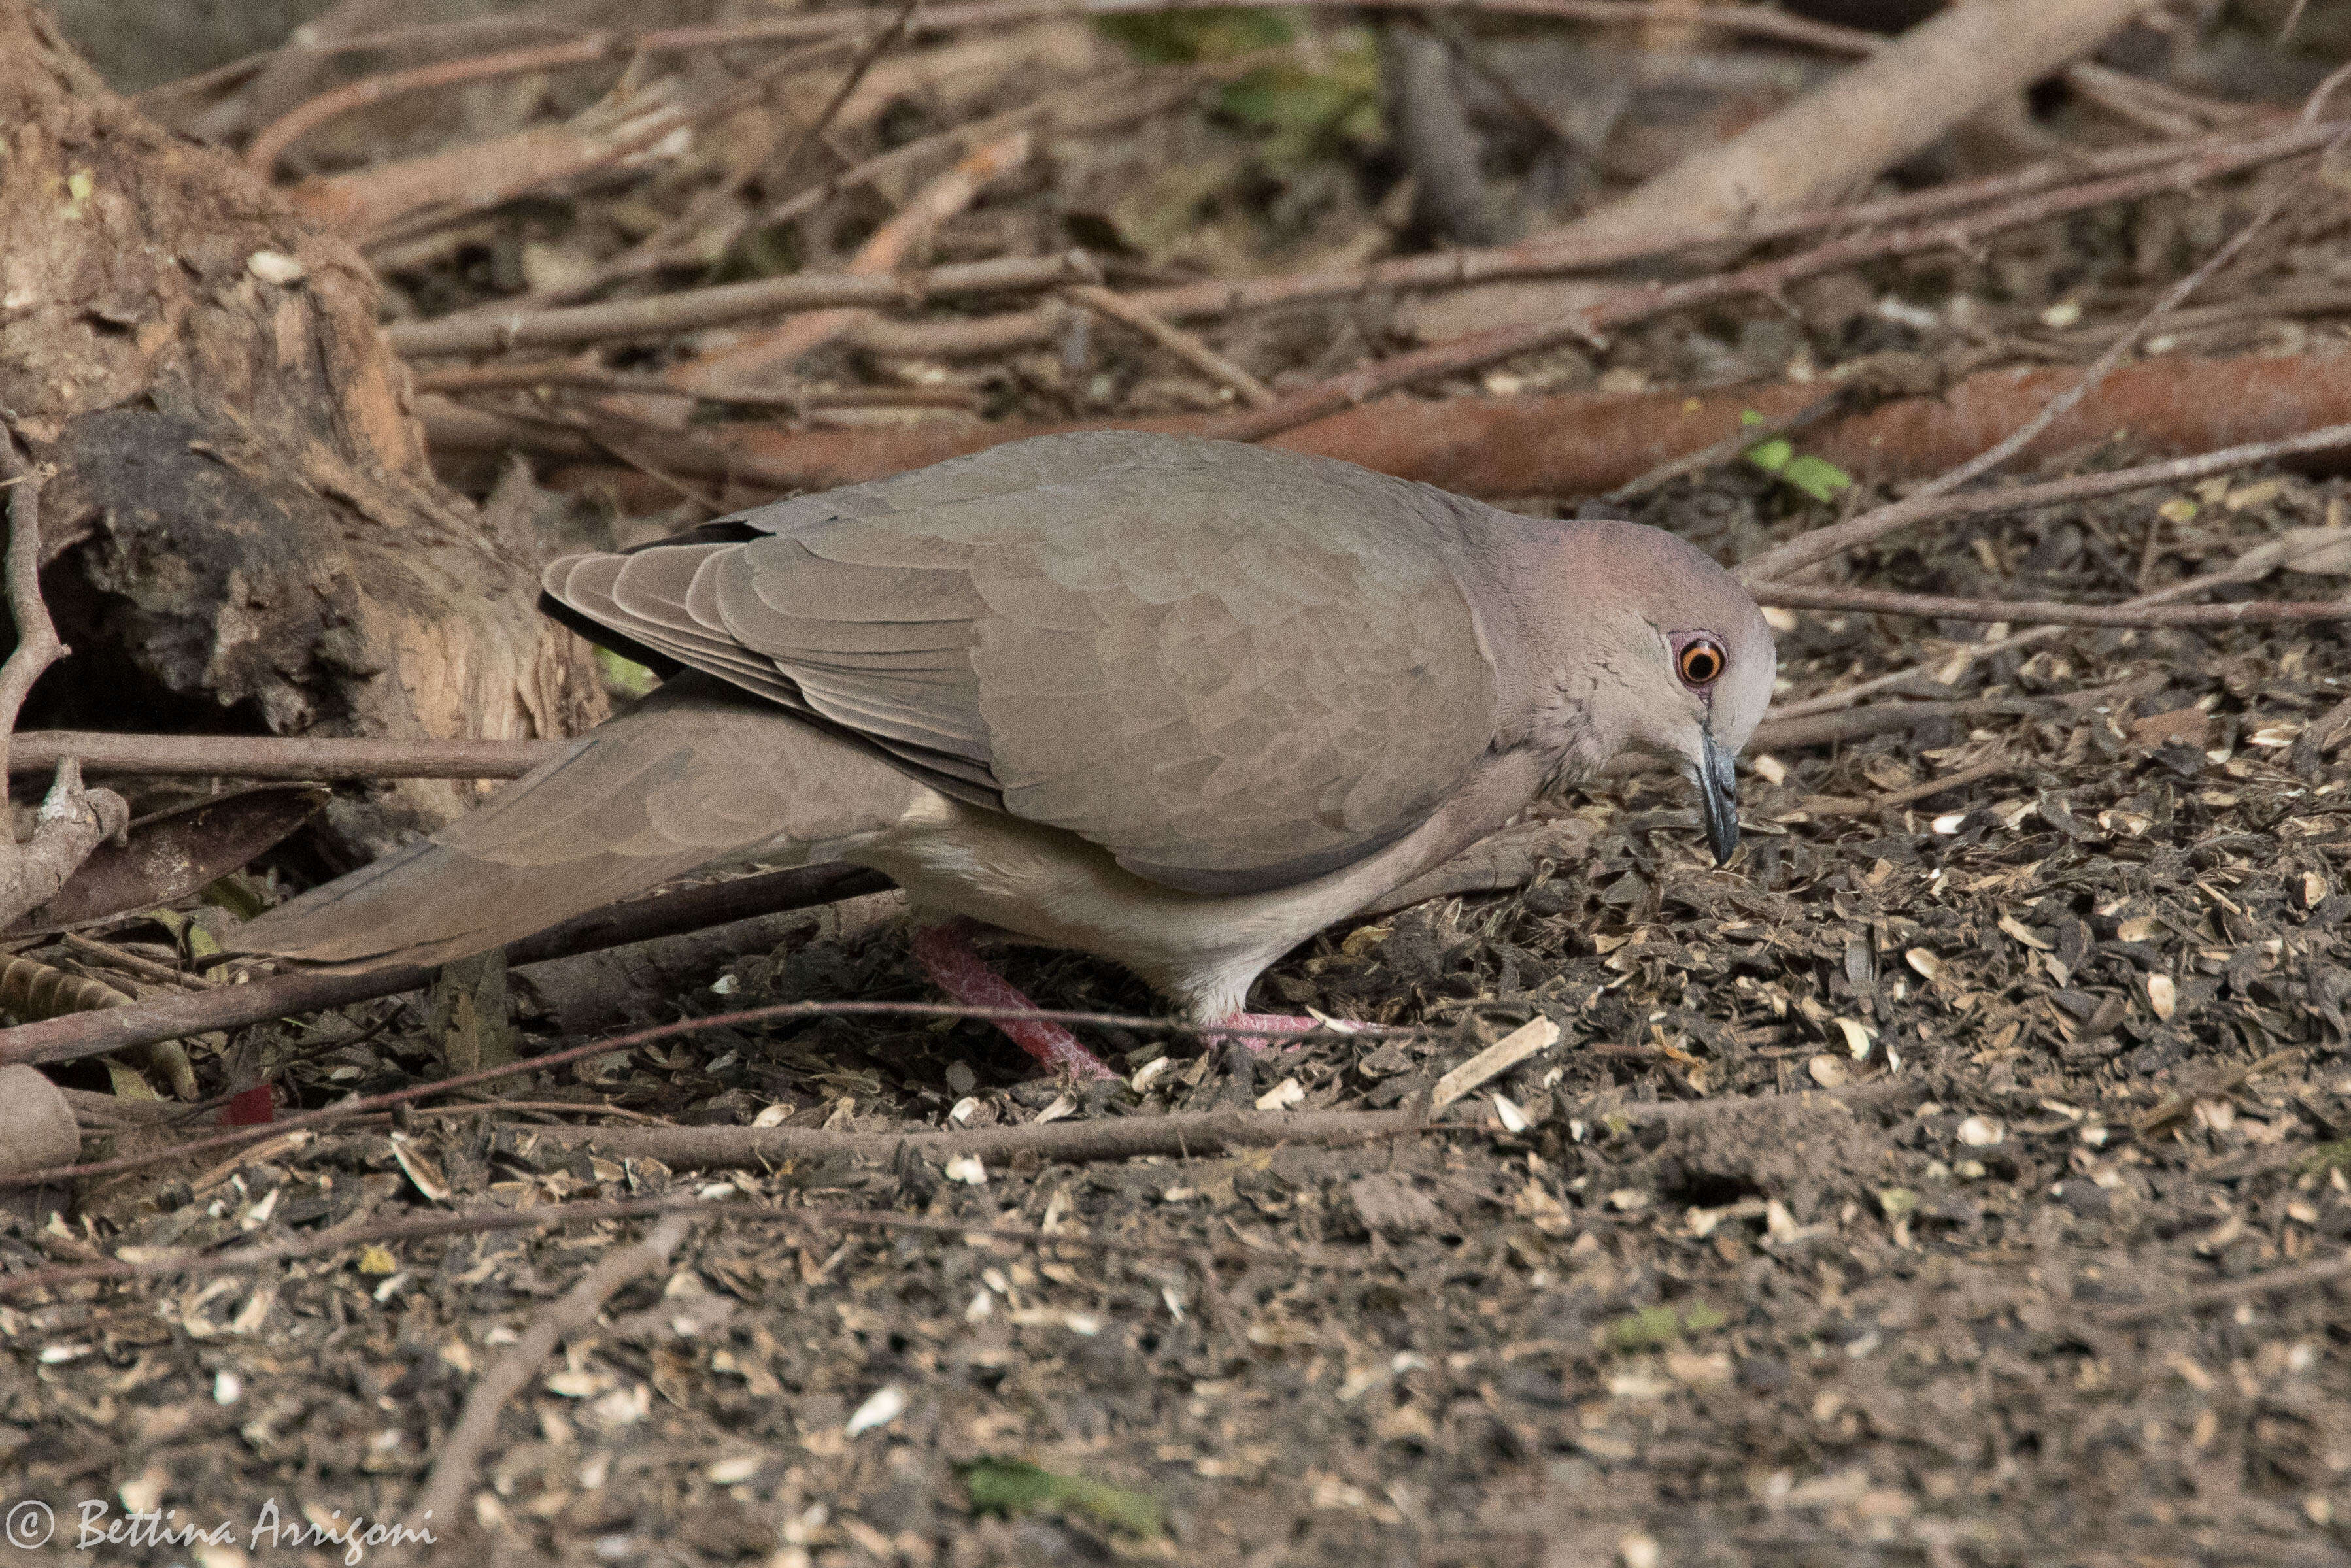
1232, 666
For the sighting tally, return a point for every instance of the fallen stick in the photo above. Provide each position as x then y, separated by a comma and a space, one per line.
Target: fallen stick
480, 330
231, 1006
279, 756
1866, 119
1768, 280
778, 1012
1877, 601
1179, 1136
1550, 255
574, 1313
1824, 543
72, 821
1975, 652
775, 349
2230, 1292
1879, 719
337, 757
1924, 789
569, 325
1184, 344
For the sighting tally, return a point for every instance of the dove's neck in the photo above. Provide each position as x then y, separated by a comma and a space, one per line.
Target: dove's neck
1550, 604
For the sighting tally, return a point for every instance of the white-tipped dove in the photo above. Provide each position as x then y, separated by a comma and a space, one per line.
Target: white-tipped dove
1179, 703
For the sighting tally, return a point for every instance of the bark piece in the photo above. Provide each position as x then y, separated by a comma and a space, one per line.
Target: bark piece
242, 518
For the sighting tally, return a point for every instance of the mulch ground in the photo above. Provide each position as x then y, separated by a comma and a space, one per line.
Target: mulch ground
1844, 1225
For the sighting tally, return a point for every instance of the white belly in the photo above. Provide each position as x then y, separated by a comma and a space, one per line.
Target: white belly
1202, 951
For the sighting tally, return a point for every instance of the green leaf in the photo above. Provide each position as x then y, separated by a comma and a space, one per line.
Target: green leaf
1816, 477
625, 677
235, 895
1660, 1326
1185, 37
1011, 1486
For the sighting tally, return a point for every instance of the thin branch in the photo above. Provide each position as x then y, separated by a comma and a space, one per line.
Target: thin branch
482, 190
478, 1425
2023, 435
2053, 612
72, 820
1824, 544
282, 995
660, 247
1925, 789
458, 381
434, 1227
1879, 719
277, 756
13, 1050
2229, 1293
236, 72
1771, 280
37, 647
691, 310
1192, 351
1975, 653
1178, 1135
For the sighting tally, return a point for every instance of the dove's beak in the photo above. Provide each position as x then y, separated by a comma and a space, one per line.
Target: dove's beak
1717, 798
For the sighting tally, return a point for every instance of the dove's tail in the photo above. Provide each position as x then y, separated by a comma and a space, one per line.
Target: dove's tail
692, 776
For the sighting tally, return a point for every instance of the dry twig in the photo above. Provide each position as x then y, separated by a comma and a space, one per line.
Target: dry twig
884, 251
15, 1049
1767, 279
277, 756
73, 821
1878, 601
1783, 561
575, 1313
780, 157
1184, 344
566, 326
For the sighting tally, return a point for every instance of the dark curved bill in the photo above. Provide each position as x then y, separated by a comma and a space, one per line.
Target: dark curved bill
1718, 800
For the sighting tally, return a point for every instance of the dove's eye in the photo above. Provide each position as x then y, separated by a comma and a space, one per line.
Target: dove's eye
1699, 662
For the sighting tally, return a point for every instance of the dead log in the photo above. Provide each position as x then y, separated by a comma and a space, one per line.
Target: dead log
242, 531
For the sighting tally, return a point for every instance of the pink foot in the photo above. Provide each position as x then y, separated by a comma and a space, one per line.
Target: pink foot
955, 965
1276, 1023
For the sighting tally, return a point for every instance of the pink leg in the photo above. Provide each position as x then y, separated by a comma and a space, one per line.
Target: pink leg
955, 965
1274, 1023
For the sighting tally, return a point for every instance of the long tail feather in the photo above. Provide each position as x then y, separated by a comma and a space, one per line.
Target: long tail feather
695, 776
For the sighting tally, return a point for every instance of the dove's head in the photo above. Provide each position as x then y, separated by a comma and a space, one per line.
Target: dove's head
1646, 645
